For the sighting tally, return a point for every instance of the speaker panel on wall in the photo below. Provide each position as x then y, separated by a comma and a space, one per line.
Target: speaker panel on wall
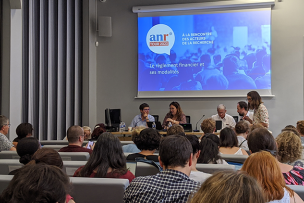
104, 26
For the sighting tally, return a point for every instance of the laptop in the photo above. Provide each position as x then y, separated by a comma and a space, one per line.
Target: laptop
158, 125
187, 127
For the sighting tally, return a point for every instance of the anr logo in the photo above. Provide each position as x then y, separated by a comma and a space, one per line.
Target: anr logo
160, 39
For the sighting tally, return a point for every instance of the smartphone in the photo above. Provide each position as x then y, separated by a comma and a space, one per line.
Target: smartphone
90, 144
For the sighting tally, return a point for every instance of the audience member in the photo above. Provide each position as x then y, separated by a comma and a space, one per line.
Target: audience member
260, 114
23, 130
147, 141
175, 130
38, 183
255, 126
290, 149
87, 132
261, 140
171, 185
195, 174
47, 156
264, 168
229, 143
229, 187
106, 161
209, 147
227, 120
257, 69
131, 148
5, 144
264, 82
25, 149
98, 130
215, 82
242, 109
75, 137
292, 129
300, 128
143, 117
175, 115
242, 130
208, 126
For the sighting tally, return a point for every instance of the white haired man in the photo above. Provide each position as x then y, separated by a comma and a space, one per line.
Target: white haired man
227, 120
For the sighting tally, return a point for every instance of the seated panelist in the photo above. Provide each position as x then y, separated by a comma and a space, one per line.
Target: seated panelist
143, 117
227, 120
175, 115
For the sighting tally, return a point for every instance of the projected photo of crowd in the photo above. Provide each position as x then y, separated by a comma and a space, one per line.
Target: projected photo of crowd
237, 55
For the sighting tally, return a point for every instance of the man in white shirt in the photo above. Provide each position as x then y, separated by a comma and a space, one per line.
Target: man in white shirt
242, 109
227, 120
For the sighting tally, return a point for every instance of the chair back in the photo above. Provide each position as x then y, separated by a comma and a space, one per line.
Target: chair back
9, 155
8, 165
213, 168
55, 147
4, 182
156, 117
74, 156
53, 142
299, 189
188, 119
126, 142
234, 158
143, 169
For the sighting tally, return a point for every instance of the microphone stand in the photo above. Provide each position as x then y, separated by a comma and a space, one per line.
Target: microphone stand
197, 123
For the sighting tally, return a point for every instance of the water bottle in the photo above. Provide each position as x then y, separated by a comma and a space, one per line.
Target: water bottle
169, 125
154, 125
122, 127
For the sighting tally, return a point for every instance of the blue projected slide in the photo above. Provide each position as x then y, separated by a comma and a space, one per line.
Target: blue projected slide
220, 51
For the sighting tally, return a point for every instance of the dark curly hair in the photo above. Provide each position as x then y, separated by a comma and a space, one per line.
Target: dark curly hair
148, 139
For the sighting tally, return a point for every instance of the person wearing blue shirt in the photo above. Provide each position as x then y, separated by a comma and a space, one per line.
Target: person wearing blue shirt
143, 117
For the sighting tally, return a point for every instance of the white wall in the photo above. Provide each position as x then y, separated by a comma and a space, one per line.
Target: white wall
117, 67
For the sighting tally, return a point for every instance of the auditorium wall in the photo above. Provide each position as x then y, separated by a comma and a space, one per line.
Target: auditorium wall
116, 76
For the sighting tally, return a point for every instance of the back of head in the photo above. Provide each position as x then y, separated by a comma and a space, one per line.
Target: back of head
209, 147
193, 139
208, 125
230, 65
24, 129
47, 156
26, 148
37, 183
98, 130
73, 133
175, 130
228, 138
242, 127
175, 151
261, 139
289, 147
136, 131
148, 139
292, 129
206, 59
107, 153
229, 187
243, 105
256, 126
264, 168
300, 127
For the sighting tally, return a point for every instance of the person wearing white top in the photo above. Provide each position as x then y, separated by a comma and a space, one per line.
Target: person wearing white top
227, 120
196, 175
242, 109
242, 130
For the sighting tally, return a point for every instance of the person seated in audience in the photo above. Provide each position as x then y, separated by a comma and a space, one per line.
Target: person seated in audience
300, 128
264, 82
23, 130
290, 149
227, 120
195, 174
175, 115
5, 144
38, 183
132, 148
209, 147
229, 187
260, 140
292, 129
98, 130
175, 130
242, 130
75, 137
242, 109
143, 117
173, 183
265, 169
106, 161
25, 149
87, 132
229, 143
255, 126
208, 126
147, 141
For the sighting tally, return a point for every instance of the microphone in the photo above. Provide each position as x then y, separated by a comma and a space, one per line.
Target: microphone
197, 123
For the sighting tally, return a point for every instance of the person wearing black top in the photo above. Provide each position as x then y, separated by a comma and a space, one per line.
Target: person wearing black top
147, 141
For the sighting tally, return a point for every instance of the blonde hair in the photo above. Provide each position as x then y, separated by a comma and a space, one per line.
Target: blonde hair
86, 128
136, 131
229, 187
208, 125
300, 127
289, 147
